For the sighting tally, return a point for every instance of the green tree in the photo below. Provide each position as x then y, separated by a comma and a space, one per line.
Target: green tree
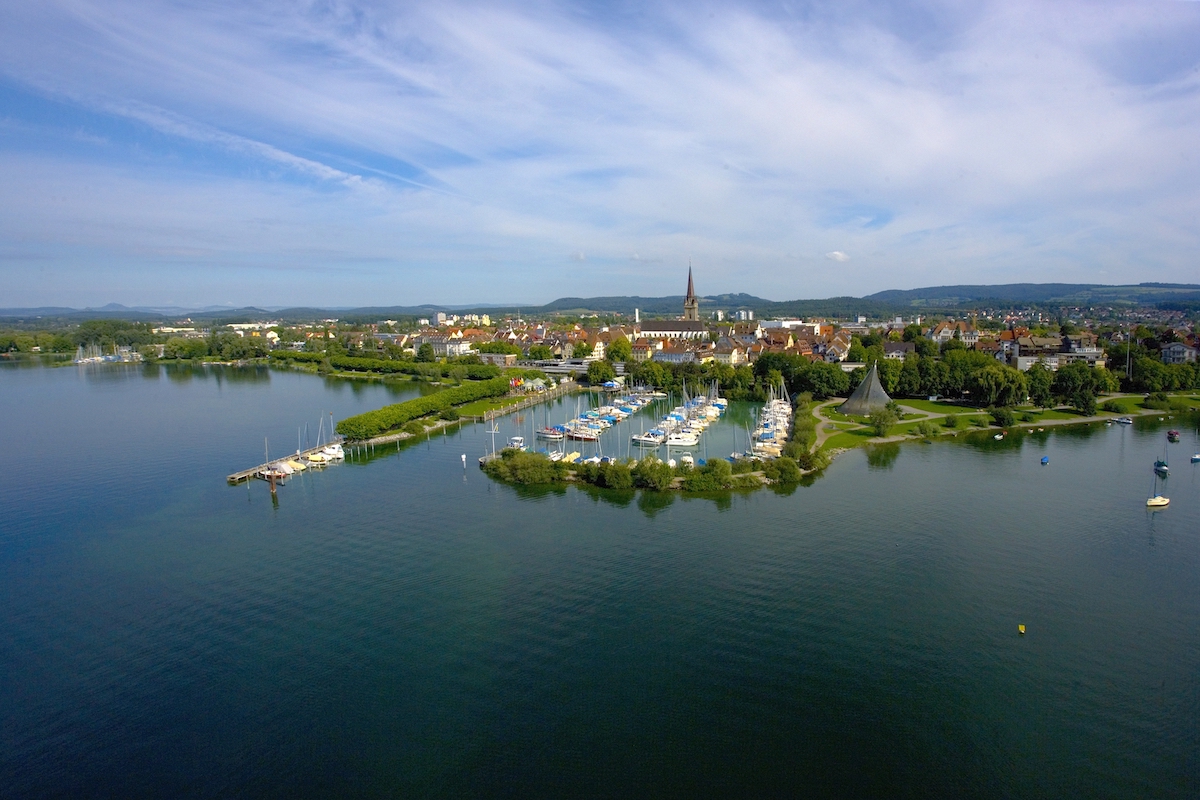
882, 420
822, 379
619, 350
600, 371
505, 348
997, 385
541, 352
1040, 381
581, 350
1077, 385
909, 383
425, 353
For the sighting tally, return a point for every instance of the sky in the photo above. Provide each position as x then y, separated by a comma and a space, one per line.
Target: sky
336, 153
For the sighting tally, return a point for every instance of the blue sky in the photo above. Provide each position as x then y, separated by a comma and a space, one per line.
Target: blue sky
373, 153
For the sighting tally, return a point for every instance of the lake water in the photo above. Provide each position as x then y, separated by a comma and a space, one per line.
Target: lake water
402, 626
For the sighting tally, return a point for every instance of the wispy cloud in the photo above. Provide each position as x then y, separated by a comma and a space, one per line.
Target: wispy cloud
461, 147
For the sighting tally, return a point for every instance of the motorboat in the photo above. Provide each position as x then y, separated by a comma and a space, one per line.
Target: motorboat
651, 438
297, 466
1172, 436
1158, 501
516, 443
333, 452
554, 433
687, 460
1196, 458
1124, 421
1161, 468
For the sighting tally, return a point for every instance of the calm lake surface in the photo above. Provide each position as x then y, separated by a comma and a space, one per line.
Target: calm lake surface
402, 626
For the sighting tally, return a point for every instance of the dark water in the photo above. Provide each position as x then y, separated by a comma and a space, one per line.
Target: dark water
403, 627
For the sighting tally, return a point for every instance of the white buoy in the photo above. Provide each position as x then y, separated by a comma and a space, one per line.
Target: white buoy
464, 458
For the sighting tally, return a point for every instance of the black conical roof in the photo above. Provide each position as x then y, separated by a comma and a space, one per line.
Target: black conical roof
868, 397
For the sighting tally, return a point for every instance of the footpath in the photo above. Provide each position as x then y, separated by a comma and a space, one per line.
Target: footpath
827, 427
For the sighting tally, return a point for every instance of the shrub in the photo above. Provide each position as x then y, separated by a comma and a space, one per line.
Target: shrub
1028, 417
450, 414
1002, 416
517, 466
950, 420
926, 429
372, 423
714, 476
816, 460
881, 421
742, 466
782, 470
650, 473
1160, 401
415, 427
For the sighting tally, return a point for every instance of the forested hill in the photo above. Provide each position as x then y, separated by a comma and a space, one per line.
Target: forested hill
880, 304
1039, 294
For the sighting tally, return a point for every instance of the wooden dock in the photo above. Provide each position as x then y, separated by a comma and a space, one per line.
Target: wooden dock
253, 472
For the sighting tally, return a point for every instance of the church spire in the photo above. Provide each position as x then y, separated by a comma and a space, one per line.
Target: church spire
691, 304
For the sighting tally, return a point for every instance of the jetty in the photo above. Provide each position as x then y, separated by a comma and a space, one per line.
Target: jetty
256, 472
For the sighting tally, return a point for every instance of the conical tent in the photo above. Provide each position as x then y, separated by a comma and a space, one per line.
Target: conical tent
868, 397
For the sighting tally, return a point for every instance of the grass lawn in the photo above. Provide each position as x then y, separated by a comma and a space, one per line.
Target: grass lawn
937, 406
849, 439
1048, 413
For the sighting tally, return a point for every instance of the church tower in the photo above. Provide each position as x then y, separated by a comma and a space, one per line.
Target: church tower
691, 303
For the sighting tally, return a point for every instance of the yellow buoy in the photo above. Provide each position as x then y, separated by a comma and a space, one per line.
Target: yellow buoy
1021, 629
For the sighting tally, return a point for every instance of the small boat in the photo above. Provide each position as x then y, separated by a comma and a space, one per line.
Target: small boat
1021, 629
1124, 421
1158, 501
998, 436
687, 460
296, 465
555, 434
1172, 436
572, 457
517, 443
1161, 468
1045, 460
1196, 458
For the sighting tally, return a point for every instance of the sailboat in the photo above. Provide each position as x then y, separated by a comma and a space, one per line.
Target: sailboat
1157, 500
1161, 468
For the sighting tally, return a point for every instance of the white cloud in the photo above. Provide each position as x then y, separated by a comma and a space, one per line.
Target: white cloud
453, 140
837, 255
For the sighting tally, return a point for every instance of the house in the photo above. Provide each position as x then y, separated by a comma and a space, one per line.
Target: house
499, 359
1178, 353
779, 337
954, 329
837, 350
730, 352
675, 353
674, 329
898, 350
1030, 350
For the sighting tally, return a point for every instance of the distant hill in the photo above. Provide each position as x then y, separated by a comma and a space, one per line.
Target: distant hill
1039, 294
881, 304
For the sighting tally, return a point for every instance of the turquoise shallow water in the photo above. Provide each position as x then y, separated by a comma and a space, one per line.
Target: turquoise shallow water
402, 626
